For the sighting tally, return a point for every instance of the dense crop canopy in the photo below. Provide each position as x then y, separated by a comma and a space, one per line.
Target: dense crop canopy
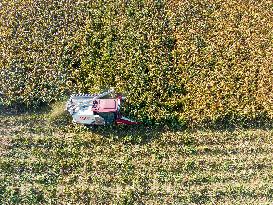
175, 60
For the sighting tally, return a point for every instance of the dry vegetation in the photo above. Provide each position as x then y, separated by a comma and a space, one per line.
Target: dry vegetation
178, 61
46, 164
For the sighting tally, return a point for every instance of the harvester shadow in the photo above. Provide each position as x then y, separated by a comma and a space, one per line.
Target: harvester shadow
134, 134
142, 134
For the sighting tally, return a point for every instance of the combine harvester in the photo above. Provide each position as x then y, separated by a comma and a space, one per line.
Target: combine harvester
92, 110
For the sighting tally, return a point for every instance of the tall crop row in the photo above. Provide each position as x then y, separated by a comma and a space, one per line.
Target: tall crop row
225, 51
33, 34
175, 60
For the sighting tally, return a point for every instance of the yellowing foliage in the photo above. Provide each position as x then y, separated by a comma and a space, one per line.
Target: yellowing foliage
225, 51
176, 60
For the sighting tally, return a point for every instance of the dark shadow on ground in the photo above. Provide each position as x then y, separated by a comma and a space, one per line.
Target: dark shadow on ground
141, 134
238, 122
145, 133
136, 134
19, 110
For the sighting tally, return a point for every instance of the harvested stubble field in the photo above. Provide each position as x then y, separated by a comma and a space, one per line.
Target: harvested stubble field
45, 164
